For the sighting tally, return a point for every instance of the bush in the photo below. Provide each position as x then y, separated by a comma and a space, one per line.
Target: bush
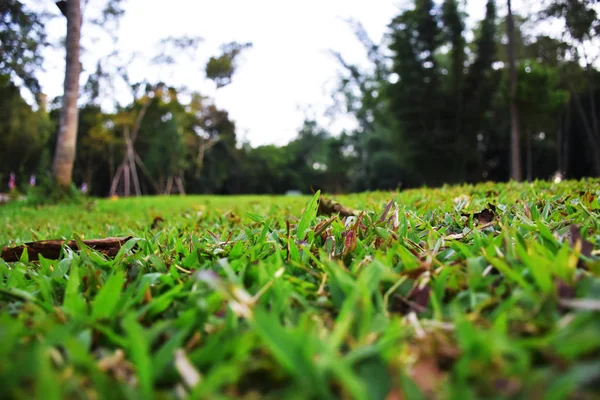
48, 192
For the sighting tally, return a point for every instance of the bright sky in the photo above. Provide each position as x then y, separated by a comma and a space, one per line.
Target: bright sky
286, 72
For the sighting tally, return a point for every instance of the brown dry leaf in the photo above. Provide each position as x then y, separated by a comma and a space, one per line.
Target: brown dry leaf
395, 394
386, 210
118, 366
435, 354
588, 197
329, 207
427, 375
147, 296
51, 249
322, 226
487, 215
188, 372
586, 247
233, 218
416, 272
563, 289
484, 216
507, 386
349, 243
416, 301
156, 221
527, 211
193, 341
420, 297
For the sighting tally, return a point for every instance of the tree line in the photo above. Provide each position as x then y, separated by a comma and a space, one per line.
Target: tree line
437, 103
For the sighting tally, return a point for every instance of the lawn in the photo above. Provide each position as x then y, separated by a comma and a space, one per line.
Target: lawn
487, 291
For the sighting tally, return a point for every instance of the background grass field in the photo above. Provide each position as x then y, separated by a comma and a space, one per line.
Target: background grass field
487, 291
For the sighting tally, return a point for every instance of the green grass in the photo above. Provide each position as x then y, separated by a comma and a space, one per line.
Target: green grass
257, 297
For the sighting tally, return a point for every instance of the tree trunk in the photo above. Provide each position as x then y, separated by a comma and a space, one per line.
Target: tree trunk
567, 143
529, 156
64, 156
515, 140
588, 129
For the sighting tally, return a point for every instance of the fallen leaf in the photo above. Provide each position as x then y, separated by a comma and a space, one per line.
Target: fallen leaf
386, 210
415, 272
322, 226
193, 342
420, 296
188, 372
118, 367
156, 222
581, 304
416, 301
563, 289
507, 386
527, 211
487, 215
395, 394
586, 247
349, 243
588, 197
427, 375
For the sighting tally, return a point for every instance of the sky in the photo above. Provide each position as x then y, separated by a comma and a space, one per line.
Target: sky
286, 75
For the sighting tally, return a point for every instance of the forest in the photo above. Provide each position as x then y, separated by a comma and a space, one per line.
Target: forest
438, 104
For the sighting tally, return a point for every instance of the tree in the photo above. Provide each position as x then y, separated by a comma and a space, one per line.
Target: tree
441, 95
65, 152
95, 139
23, 133
372, 157
22, 37
221, 68
582, 33
538, 98
515, 140
64, 156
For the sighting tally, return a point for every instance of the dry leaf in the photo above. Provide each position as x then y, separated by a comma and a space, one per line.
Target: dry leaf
188, 372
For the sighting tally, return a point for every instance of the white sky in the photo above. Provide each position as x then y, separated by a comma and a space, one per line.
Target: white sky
287, 71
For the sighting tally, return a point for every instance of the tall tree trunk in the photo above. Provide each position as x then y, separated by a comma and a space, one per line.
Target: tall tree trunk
567, 143
593, 137
64, 156
515, 140
529, 155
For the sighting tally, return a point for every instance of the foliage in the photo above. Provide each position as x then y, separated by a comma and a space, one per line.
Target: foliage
23, 134
22, 38
46, 192
429, 107
485, 291
221, 68
439, 103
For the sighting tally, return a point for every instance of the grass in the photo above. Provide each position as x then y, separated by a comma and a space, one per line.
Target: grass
426, 296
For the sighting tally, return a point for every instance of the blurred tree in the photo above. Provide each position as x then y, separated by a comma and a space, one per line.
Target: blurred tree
516, 170
440, 98
538, 98
96, 138
217, 134
220, 69
582, 34
23, 133
64, 156
22, 38
373, 156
